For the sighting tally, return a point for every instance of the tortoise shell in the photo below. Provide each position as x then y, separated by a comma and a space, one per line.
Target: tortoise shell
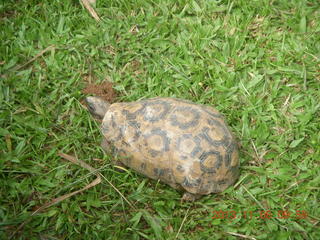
185, 145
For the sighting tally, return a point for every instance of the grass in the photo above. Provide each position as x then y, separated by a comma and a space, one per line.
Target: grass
258, 62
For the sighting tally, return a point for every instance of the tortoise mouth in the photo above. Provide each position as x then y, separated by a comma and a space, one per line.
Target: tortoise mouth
97, 106
90, 107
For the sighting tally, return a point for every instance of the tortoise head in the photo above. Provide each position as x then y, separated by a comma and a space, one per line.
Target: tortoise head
97, 106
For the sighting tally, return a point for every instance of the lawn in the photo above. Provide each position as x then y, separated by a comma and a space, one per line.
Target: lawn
257, 62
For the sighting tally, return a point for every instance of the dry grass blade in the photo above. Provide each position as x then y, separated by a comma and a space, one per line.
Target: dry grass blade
91, 10
256, 152
241, 235
77, 162
250, 194
184, 219
117, 190
59, 199
34, 58
93, 170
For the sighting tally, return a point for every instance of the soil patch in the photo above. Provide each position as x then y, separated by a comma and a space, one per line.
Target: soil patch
103, 90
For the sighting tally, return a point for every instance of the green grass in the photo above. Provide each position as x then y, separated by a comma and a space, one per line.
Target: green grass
258, 62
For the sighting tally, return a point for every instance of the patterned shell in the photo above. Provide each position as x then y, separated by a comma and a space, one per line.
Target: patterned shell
185, 145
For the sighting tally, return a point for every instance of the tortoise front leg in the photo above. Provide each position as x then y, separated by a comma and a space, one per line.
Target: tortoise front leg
105, 145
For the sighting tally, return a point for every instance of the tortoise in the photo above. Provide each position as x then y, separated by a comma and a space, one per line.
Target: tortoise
185, 145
